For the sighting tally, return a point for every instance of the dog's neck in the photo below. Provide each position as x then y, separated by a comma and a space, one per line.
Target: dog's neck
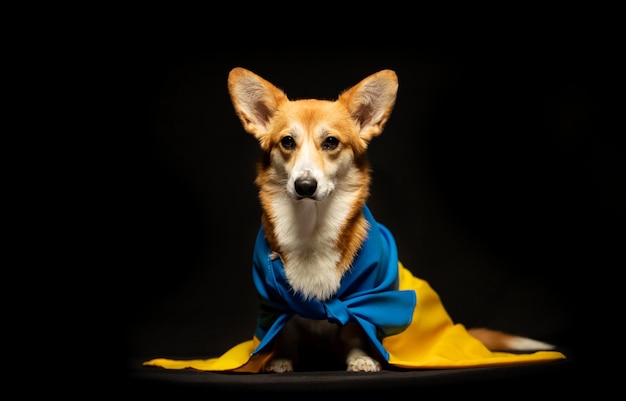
316, 240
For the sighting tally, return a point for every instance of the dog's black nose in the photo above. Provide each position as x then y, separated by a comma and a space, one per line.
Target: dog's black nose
305, 187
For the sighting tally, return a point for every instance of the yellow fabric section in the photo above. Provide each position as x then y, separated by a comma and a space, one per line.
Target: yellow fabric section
236, 359
432, 341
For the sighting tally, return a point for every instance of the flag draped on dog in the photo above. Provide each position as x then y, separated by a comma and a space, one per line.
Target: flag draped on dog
401, 314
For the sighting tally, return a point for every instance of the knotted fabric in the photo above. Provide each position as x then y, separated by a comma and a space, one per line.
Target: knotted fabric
368, 294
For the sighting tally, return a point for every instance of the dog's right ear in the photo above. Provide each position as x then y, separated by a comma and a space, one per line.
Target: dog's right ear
255, 101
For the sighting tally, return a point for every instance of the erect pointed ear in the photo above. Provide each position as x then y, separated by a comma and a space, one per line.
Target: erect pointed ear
371, 101
255, 100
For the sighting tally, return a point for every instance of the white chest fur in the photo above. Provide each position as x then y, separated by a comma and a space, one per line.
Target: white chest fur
307, 231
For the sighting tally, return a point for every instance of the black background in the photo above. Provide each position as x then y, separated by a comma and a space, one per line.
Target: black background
498, 174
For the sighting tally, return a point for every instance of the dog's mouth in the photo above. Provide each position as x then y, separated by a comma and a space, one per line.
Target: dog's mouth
299, 198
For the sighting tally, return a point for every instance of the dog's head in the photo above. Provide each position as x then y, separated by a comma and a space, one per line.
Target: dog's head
313, 147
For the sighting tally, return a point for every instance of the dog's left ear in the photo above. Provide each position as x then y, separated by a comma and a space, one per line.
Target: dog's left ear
371, 101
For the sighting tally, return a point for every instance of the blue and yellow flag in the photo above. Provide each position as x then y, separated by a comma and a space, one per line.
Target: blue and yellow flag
401, 314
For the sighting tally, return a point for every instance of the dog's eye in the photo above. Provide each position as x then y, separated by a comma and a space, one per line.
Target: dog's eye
288, 143
330, 143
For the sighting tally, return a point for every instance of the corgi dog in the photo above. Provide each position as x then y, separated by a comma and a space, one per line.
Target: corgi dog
313, 184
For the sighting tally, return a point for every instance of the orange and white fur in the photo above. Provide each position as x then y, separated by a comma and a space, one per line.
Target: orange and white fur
313, 181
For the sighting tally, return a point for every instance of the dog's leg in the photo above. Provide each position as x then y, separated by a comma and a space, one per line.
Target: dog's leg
285, 349
357, 360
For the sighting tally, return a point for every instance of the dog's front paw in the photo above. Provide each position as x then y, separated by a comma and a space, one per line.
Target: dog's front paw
358, 361
279, 365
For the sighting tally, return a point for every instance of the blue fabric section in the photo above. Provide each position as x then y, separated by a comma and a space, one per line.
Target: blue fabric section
368, 293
